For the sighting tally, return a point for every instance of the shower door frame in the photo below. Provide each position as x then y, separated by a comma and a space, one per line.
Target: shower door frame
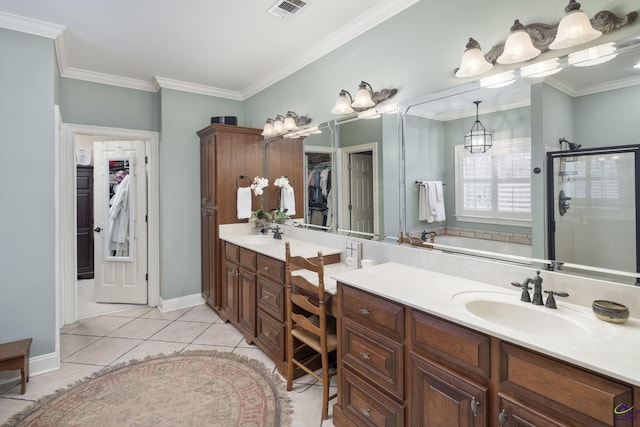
551, 182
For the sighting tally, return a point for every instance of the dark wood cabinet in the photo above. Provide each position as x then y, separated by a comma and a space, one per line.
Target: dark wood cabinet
456, 376
226, 152
84, 226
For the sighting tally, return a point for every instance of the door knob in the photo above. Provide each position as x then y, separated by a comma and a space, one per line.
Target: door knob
97, 229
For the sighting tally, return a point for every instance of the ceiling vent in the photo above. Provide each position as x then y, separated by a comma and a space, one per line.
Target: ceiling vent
287, 9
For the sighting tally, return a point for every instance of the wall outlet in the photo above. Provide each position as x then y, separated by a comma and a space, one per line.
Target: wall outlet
354, 251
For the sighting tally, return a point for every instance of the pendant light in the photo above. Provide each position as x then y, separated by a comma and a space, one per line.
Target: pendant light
518, 47
478, 140
574, 29
472, 62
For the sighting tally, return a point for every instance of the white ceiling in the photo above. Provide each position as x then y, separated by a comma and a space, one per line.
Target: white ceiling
231, 48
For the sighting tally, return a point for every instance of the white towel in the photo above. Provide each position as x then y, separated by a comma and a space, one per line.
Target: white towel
244, 202
288, 201
431, 202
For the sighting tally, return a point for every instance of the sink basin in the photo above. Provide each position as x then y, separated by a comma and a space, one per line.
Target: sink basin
507, 311
259, 240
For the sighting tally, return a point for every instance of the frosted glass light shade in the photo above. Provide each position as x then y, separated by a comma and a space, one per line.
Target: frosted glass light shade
290, 124
473, 62
593, 56
278, 125
268, 129
363, 99
343, 104
574, 29
518, 48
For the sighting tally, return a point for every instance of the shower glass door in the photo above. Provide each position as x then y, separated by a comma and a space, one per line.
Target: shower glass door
594, 216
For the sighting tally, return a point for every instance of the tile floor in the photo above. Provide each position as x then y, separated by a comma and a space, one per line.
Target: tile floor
93, 343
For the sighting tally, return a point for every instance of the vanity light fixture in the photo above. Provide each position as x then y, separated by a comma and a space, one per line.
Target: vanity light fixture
637, 66
473, 62
478, 140
365, 98
593, 55
282, 125
518, 47
574, 29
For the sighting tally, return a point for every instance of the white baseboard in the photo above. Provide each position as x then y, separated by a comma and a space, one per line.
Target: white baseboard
180, 303
37, 365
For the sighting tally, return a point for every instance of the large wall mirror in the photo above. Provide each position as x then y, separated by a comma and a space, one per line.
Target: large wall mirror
497, 204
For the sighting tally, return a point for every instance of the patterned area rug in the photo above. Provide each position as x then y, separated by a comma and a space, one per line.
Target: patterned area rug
192, 388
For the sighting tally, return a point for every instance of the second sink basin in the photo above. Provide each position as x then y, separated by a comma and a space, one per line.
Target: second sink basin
507, 311
261, 239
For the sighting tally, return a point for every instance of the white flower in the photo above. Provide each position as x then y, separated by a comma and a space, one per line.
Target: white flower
283, 182
259, 183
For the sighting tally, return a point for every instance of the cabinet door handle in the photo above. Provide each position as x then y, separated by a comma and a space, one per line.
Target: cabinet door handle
475, 404
266, 268
266, 297
502, 418
267, 334
364, 311
365, 355
365, 412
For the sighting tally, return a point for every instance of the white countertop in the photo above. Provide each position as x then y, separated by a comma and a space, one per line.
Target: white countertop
265, 243
607, 348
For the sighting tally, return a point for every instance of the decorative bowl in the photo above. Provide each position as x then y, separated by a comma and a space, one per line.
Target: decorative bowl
610, 311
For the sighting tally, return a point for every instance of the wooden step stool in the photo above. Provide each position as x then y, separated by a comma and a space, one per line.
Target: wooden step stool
15, 355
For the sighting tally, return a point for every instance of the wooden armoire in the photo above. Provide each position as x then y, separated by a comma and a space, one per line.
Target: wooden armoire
226, 152
84, 226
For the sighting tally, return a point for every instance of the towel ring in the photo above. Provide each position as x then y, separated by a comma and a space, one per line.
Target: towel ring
243, 176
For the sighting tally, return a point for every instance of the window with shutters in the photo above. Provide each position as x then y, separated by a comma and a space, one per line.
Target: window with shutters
494, 186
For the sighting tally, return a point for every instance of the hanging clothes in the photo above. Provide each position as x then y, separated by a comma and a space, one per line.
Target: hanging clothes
119, 219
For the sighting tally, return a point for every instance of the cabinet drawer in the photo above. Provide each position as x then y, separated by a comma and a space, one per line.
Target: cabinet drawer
570, 394
271, 298
366, 406
248, 258
231, 252
514, 414
375, 357
373, 312
271, 268
454, 346
271, 334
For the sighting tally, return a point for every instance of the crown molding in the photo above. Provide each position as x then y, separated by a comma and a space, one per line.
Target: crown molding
573, 91
30, 26
363, 23
107, 79
163, 82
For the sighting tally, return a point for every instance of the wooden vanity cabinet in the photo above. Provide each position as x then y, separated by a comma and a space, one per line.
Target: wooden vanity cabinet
370, 361
427, 371
239, 290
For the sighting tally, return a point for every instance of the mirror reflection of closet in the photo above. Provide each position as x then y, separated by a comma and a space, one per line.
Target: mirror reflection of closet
318, 196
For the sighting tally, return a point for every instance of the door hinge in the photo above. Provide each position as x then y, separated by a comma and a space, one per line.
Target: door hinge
350, 206
146, 218
146, 159
146, 277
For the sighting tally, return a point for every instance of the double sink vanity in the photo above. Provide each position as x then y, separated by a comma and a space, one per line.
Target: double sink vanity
422, 347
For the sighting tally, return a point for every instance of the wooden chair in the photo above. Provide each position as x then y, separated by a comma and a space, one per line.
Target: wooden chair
311, 332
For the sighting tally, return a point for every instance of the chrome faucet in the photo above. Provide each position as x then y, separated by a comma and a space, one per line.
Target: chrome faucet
277, 234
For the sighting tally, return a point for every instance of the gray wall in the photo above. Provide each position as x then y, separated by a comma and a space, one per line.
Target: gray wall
182, 114
27, 202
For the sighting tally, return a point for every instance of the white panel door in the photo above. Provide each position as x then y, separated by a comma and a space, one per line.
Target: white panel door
120, 208
361, 188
